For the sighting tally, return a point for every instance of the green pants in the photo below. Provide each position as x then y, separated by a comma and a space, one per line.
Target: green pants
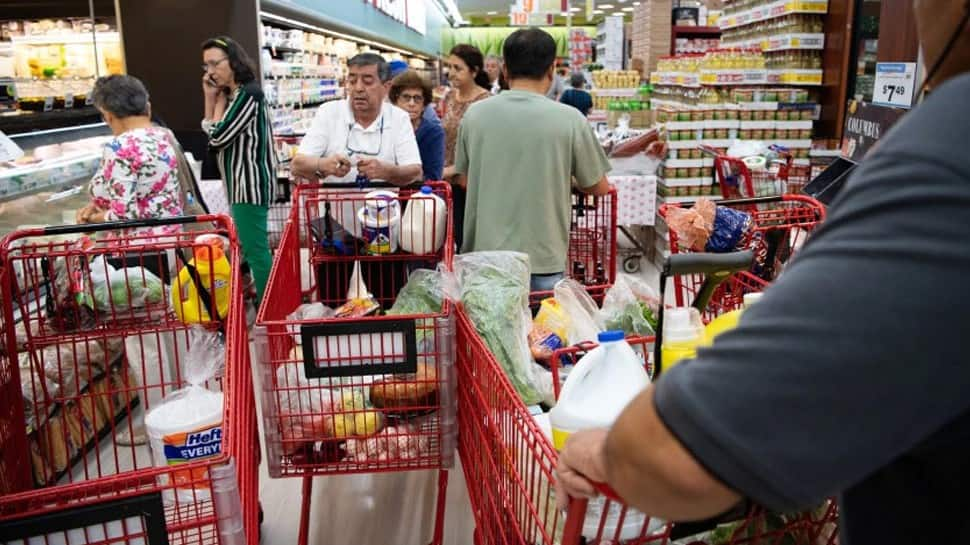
254, 239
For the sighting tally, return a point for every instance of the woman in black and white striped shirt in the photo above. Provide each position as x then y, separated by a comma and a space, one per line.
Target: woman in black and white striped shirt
239, 128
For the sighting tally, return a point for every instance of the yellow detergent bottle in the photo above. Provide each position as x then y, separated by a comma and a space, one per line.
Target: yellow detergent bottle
215, 274
727, 321
682, 334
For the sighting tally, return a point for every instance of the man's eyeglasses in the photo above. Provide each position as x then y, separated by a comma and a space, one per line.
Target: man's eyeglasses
363, 181
417, 99
212, 65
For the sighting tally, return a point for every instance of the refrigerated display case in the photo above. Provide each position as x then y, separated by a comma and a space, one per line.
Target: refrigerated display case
49, 183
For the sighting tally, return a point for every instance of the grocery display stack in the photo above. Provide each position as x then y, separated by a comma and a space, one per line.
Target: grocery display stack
651, 33
618, 92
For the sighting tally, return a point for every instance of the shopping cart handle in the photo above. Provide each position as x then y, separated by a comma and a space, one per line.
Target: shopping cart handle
708, 264
133, 224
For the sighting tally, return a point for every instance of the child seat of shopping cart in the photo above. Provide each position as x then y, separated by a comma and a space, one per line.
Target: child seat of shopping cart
344, 389
100, 347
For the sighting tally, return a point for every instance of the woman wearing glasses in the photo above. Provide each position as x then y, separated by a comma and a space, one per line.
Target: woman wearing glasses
238, 124
412, 93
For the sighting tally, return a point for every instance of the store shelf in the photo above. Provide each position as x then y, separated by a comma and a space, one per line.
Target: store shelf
783, 42
616, 92
773, 10
761, 77
696, 31
66, 39
26, 121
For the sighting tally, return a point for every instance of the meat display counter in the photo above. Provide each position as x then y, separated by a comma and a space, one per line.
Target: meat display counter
49, 183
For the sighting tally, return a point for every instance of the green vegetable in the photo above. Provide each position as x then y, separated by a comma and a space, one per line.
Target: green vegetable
634, 319
495, 294
144, 288
421, 295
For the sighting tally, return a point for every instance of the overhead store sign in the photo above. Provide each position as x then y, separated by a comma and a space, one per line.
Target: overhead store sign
541, 6
522, 18
411, 13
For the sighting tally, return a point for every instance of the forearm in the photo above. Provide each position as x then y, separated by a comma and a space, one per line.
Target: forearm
210, 108
403, 174
653, 472
305, 166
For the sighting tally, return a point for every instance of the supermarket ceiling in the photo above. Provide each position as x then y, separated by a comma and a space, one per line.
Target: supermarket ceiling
478, 9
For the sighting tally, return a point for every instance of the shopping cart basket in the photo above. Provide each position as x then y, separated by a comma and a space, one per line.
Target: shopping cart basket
592, 248
279, 210
357, 394
778, 230
738, 180
100, 352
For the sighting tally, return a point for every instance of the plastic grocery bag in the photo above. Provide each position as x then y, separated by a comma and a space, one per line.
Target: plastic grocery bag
123, 289
422, 294
304, 405
585, 324
308, 311
494, 289
187, 426
630, 305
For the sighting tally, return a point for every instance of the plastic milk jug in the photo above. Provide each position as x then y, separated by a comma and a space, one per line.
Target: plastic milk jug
423, 223
597, 390
215, 274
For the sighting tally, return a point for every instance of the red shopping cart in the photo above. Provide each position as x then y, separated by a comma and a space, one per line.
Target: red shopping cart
592, 248
279, 210
754, 177
352, 393
509, 460
779, 228
99, 346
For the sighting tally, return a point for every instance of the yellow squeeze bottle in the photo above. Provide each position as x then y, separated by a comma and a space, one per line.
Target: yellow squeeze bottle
727, 321
215, 273
681, 336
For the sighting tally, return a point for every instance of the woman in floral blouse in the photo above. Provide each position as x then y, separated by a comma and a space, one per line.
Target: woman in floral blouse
139, 176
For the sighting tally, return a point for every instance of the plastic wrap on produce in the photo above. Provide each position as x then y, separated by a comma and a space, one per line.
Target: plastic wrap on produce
494, 289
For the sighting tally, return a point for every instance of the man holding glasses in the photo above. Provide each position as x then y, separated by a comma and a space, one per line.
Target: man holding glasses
363, 138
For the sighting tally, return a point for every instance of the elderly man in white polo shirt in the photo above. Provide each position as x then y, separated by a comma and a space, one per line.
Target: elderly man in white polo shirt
361, 138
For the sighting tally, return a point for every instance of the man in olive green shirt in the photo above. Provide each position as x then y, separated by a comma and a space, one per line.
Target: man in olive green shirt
519, 152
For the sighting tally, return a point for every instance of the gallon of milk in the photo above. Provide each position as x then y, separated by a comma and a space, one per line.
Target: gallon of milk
597, 390
423, 223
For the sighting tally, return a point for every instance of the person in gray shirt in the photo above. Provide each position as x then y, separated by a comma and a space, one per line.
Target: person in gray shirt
850, 376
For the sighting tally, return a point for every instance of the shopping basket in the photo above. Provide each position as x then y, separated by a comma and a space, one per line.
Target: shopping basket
779, 228
99, 347
357, 394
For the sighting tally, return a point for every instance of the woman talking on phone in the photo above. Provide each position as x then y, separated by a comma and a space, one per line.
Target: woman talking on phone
238, 124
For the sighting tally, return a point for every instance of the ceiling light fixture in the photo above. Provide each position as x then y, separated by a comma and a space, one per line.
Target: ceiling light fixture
627, 9
492, 13
605, 6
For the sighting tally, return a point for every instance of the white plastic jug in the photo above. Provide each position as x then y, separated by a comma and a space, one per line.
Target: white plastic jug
380, 219
601, 385
423, 223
